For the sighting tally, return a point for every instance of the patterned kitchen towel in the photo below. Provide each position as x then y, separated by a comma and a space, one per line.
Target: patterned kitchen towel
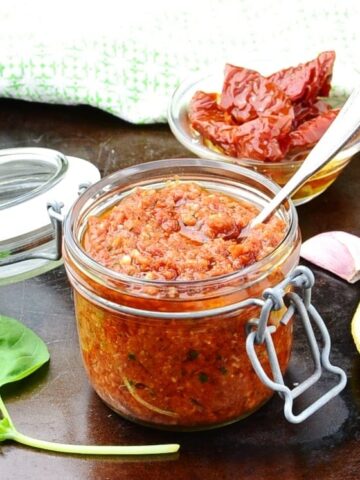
127, 57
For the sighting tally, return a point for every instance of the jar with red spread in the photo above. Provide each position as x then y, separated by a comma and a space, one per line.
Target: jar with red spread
167, 290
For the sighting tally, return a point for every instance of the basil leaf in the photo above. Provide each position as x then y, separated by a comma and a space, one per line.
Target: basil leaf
21, 351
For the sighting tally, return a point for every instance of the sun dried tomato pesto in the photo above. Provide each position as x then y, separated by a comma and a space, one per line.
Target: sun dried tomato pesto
181, 231
190, 373
186, 374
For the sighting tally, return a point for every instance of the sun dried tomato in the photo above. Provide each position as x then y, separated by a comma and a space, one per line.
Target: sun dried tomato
259, 138
308, 80
247, 95
310, 132
306, 112
210, 121
204, 106
262, 118
237, 93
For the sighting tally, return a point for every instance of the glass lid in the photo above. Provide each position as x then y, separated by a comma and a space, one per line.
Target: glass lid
30, 180
23, 176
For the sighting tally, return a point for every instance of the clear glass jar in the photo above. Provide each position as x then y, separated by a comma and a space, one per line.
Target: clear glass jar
151, 349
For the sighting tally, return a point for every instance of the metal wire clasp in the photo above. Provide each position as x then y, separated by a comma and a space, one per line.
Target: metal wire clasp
54, 211
260, 332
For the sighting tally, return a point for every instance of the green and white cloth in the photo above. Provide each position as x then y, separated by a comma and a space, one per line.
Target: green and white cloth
127, 57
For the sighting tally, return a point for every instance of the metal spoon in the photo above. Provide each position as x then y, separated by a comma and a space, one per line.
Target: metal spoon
340, 131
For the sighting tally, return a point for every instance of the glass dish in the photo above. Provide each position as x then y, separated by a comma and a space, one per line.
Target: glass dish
171, 365
279, 172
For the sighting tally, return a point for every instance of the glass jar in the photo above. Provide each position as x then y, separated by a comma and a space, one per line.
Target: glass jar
151, 349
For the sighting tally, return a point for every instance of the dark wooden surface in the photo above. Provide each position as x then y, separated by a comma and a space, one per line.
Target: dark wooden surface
57, 402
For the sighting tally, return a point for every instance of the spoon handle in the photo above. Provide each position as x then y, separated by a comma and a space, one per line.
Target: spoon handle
340, 131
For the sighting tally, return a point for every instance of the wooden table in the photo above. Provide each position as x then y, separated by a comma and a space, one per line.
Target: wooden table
58, 404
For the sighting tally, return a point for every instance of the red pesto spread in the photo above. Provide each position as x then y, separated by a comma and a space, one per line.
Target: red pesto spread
182, 374
179, 232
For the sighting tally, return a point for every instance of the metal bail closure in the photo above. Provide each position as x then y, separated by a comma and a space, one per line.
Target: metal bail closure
56, 218
274, 300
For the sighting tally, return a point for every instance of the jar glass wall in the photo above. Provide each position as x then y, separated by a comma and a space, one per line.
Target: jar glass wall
151, 350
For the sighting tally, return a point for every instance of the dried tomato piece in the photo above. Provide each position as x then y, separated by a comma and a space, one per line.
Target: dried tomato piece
237, 93
247, 95
308, 80
259, 138
210, 121
310, 132
204, 106
306, 112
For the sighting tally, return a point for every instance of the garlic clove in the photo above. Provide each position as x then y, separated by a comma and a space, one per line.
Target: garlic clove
337, 252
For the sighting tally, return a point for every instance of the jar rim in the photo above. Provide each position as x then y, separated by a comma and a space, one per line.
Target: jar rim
76, 251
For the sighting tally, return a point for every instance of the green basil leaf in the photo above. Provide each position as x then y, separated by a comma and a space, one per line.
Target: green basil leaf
21, 351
